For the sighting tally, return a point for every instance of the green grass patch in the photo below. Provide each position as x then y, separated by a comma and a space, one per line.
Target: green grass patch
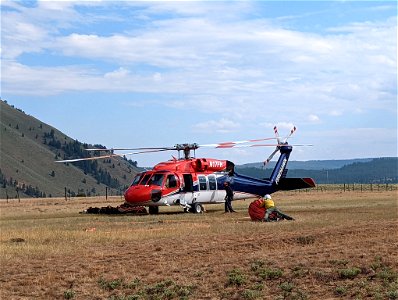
110, 284
286, 287
270, 273
236, 277
165, 289
249, 294
387, 275
69, 294
349, 273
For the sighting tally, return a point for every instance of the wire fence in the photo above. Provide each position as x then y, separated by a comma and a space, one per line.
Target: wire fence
12, 194
352, 187
346, 187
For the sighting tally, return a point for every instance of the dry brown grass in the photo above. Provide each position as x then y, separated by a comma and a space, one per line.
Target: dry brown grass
342, 245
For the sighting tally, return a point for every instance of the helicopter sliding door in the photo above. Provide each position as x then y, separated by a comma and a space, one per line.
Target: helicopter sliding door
188, 183
187, 194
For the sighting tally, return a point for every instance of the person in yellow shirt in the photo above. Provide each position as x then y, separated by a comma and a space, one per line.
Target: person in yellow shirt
270, 207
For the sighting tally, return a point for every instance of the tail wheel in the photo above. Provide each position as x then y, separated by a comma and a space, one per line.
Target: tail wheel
153, 210
197, 208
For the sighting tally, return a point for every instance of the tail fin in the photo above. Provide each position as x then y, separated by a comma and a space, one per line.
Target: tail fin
279, 170
278, 176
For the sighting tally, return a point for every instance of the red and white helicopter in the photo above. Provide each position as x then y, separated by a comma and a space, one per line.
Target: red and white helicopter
191, 182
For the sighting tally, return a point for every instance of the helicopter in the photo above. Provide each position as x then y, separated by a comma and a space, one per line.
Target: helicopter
191, 182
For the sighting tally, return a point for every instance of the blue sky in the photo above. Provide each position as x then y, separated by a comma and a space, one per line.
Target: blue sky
143, 74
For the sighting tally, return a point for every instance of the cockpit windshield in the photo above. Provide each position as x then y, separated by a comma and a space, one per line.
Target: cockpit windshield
145, 179
137, 179
156, 179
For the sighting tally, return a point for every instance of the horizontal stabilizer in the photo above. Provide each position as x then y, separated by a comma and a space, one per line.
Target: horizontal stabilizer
287, 184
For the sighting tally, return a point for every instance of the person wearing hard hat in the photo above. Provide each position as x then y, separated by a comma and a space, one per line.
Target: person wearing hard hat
229, 193
270, 208
228, 197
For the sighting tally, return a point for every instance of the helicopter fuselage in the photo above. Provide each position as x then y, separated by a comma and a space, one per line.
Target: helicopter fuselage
196, 181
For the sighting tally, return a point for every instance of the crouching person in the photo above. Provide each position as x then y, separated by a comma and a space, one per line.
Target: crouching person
264, 209
272, 210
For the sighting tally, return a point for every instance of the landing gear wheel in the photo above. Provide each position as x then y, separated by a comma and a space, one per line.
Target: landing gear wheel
197, 208
153, 210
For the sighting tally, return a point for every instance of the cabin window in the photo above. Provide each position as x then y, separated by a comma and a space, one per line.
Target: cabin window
156, 179
212, 182
171, 181
145, 179
202, 183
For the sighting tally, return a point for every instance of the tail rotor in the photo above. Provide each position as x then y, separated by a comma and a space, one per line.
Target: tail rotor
284, 142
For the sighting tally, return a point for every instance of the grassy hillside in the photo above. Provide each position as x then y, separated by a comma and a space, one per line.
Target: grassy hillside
28, 152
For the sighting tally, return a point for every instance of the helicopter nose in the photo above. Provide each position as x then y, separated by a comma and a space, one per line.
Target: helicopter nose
127, 195
138, 194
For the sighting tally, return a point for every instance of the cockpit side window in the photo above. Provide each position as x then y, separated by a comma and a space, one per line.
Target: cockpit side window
171, 181
156, 179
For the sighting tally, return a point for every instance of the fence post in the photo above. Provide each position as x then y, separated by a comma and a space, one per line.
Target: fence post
66, 199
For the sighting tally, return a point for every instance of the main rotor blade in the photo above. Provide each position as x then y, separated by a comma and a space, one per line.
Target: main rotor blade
279, 145
87, 158
107, 156
264, 145
190, 146
233, 144
124, 149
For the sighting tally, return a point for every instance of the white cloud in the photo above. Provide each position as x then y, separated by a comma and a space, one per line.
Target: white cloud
190, 57
221, 126
336, 113
242, 59
117, 74
157, 77
313, 118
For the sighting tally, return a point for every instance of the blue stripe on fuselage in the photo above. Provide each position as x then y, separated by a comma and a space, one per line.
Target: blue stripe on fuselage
249, 185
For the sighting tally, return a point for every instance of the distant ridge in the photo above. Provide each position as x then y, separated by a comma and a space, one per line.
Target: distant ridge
369, 170
312, 164
28, 151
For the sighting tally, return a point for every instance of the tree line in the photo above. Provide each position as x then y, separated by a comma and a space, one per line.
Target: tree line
26, 189
377, 171
75, 149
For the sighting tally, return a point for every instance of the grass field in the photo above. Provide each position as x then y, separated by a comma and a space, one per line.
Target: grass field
341, 246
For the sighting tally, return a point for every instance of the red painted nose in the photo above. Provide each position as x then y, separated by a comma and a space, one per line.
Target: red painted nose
138, 194
127, 195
